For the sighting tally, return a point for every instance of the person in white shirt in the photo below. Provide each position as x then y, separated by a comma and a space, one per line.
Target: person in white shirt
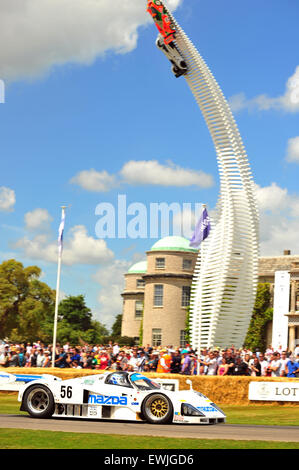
275, 365
40, 359
284, 360
264, 364
211, 363
133, 362
115, 349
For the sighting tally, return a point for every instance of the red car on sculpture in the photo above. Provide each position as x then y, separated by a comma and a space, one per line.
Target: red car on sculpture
162, 20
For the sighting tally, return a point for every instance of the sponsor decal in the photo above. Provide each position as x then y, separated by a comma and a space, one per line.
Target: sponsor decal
180, 418
105, 400
207, 409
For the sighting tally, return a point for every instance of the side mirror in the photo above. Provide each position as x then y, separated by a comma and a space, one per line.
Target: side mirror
189, 382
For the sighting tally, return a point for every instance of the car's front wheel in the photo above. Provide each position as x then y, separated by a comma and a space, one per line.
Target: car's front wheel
157, 409
39, 401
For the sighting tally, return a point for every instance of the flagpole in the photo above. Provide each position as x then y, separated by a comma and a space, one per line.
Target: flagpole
58, 283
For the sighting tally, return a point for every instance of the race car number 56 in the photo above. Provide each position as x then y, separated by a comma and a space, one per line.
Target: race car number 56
66, 391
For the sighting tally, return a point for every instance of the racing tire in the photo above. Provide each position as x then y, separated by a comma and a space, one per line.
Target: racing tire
39, 401
157, 409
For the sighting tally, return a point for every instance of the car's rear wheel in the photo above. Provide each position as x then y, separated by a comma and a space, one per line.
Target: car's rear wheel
39, 401
157, 409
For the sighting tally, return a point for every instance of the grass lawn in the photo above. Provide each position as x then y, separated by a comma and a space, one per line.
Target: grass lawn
22, 439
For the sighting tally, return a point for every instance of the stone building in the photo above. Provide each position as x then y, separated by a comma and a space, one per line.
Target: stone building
268, 265
157, 291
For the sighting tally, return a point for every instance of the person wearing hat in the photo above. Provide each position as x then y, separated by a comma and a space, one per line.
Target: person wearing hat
164, 362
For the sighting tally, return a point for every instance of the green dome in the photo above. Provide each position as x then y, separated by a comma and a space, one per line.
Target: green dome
173, 244
137, 268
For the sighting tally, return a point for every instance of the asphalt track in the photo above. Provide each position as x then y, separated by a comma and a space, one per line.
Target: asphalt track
219, 431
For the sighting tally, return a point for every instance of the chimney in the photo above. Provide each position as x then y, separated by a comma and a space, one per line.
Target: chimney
286, 252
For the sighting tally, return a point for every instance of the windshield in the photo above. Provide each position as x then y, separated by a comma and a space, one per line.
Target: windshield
143, 383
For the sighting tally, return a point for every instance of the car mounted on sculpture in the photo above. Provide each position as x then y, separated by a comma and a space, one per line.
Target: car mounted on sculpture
116, 395
162, 20
179, 66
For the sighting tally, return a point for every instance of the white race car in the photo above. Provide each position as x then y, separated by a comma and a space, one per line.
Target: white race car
116, 395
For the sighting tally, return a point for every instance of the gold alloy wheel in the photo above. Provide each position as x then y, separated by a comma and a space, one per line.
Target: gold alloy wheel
159, 408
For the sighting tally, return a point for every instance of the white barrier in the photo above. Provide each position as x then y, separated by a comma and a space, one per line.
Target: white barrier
274, 391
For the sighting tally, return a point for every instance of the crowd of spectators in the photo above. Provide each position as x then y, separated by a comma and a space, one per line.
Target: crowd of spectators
212, 361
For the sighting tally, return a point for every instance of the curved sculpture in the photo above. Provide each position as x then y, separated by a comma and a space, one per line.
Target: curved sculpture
225, 279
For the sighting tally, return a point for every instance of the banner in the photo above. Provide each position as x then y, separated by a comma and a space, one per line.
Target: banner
274, 391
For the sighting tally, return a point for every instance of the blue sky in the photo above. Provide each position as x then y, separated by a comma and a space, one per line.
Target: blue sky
92, 111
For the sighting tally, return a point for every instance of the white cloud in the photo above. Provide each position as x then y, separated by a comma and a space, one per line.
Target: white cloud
92, 180
279, 220
79, 248
293, 150
143, 172
38, 219
111, 279
152, 172
288, 102
39, 34
7, 199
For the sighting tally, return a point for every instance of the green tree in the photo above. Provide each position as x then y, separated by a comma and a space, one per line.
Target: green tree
116, 327
25, 302
75, 323
262, 314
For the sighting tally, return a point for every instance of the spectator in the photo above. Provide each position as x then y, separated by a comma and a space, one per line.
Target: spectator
223, 367
13, 359
292, 367
75, 356
141, 361
47, 361
175, 364
21, 357
275, 365
211, 363
40, 359
164, 362
255, 369
240, 367
284, 360
60, 361
33, 357
153, 362
186, 363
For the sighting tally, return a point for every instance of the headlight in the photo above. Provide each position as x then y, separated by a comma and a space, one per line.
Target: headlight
189, 410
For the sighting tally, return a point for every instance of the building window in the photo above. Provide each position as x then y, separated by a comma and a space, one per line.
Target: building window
156, 337
183, 341
186, 296
140, 283
160, 263
136, 340
158, 295
138, 309
187, 264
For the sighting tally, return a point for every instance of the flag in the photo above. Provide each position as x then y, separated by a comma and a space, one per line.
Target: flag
202, 229
60, 232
